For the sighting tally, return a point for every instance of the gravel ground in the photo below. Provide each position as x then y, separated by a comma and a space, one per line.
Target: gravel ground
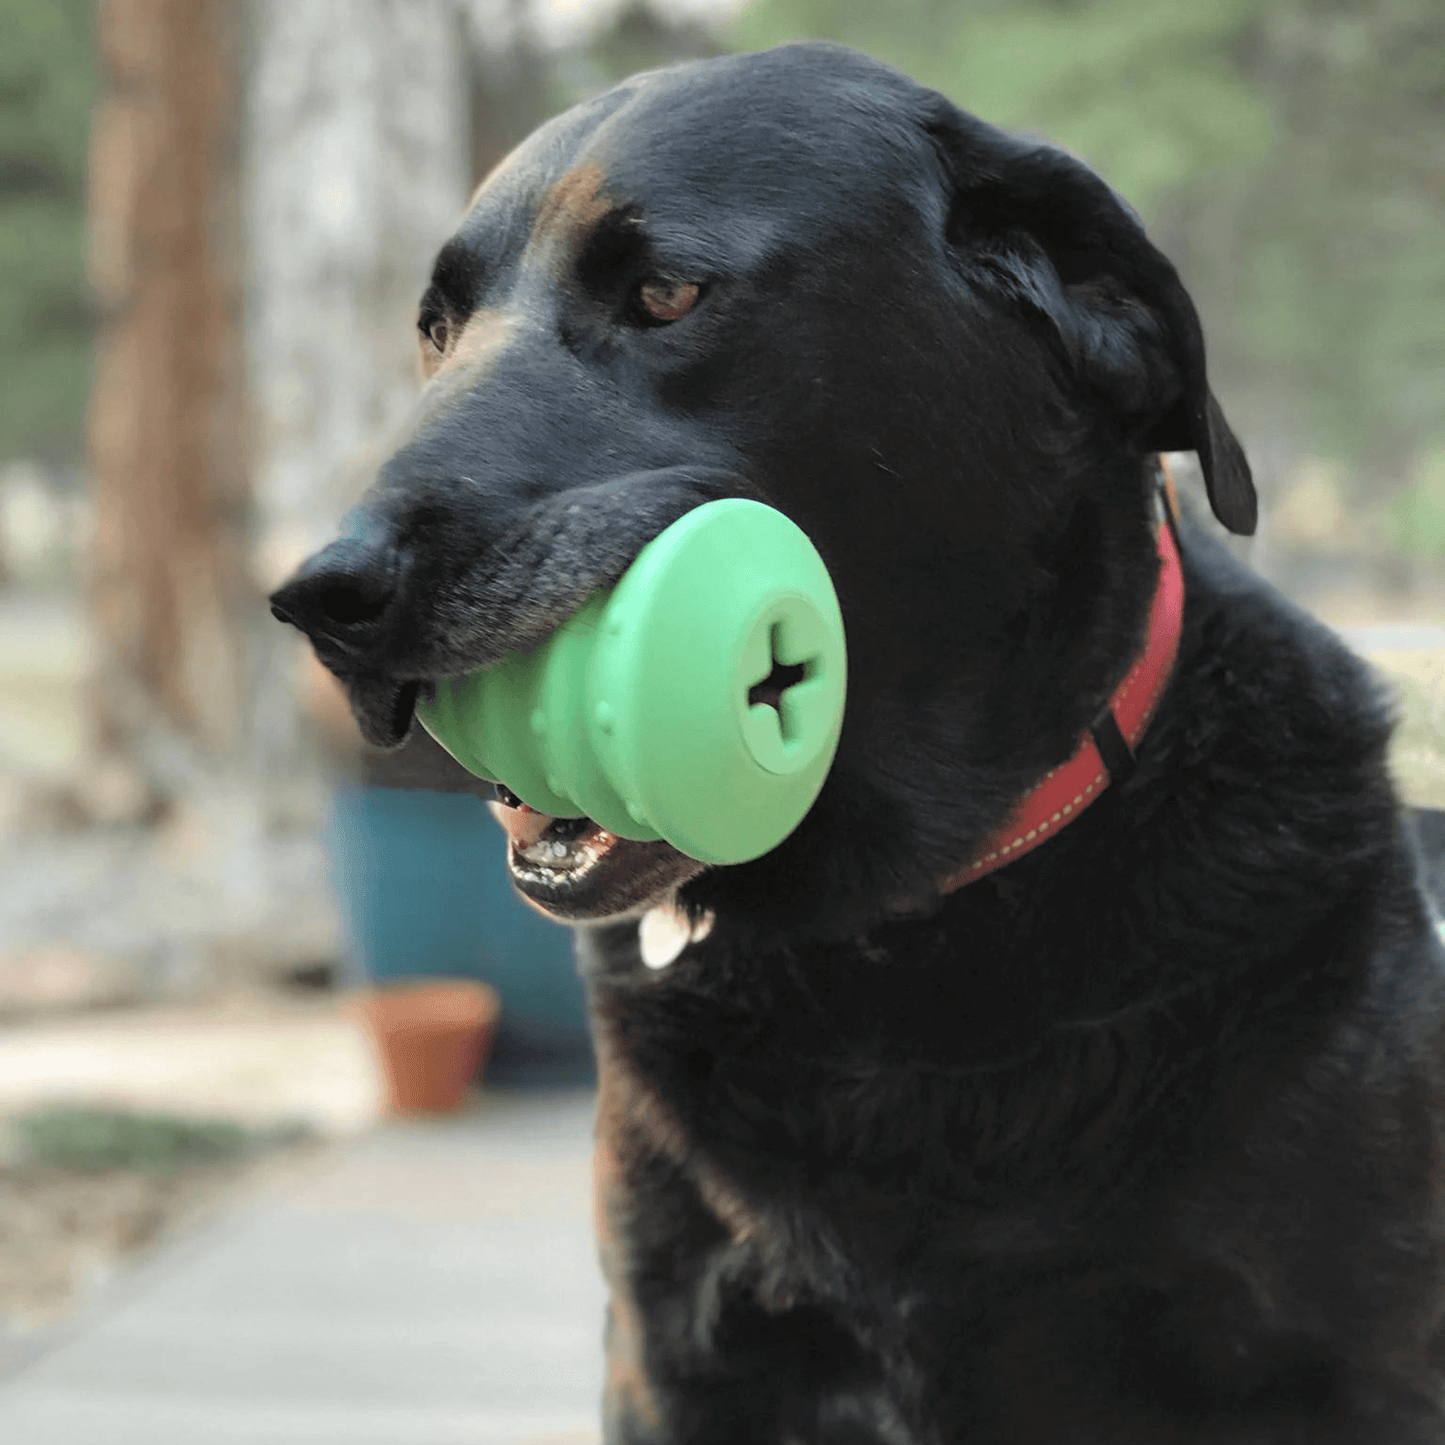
64, 1234
67, 1230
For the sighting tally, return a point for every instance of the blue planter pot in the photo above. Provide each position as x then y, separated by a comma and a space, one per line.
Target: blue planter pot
423, 891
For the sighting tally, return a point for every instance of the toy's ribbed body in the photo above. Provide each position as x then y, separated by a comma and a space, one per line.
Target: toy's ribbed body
699, 701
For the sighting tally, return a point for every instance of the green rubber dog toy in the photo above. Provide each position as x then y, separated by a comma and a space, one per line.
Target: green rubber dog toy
699, 701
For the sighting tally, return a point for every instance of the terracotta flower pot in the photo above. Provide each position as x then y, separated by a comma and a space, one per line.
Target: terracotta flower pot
433, 1036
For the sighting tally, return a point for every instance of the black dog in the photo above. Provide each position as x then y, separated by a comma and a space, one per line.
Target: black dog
1131, 1140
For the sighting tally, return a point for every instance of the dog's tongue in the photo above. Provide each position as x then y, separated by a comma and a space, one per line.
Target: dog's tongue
524, 825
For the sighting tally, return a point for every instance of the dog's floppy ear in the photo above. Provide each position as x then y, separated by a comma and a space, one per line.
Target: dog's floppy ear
1056, 238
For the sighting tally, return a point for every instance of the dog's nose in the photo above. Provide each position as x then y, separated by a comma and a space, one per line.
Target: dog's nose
343, 594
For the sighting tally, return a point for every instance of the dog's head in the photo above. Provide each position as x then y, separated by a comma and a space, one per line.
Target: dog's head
947, 353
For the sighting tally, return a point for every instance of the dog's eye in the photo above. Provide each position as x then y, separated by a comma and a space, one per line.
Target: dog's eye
436, 330
668, 300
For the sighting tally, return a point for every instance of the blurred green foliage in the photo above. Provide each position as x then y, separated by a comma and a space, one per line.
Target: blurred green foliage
1288, 154
1144, 88
1418, 513
638, 38
47, 85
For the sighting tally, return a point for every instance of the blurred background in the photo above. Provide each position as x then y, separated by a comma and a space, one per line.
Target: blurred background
216, 217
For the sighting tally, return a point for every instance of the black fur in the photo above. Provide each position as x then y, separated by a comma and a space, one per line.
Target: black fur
1135, 1140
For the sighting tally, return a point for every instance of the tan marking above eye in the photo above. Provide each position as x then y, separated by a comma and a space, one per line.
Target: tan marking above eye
668, 300
575, 199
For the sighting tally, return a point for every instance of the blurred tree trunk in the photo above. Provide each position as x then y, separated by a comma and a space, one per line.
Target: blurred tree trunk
358, 164
169, 586
510, 82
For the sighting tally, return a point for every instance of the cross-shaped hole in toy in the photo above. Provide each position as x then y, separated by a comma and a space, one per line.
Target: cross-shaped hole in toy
781, 676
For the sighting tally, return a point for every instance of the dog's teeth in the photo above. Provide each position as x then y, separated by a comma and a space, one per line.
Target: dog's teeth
559, 862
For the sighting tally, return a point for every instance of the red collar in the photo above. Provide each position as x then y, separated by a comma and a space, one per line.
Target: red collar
1070, 788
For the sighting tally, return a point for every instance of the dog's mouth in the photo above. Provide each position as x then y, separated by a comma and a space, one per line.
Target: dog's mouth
384, 707
569, 868
574, 869
552, 851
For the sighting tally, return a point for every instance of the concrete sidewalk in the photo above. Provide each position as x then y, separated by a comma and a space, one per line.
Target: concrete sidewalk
431, 1284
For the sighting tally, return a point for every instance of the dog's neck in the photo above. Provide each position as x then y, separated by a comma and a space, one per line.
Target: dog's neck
1105, 752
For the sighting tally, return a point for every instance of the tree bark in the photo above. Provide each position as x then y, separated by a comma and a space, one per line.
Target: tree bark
358, 168
358, 164
169, 586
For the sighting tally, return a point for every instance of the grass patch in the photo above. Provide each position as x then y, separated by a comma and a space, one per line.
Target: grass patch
90, 1141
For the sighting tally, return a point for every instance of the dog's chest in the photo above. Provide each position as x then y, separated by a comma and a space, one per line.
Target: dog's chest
797, 1144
